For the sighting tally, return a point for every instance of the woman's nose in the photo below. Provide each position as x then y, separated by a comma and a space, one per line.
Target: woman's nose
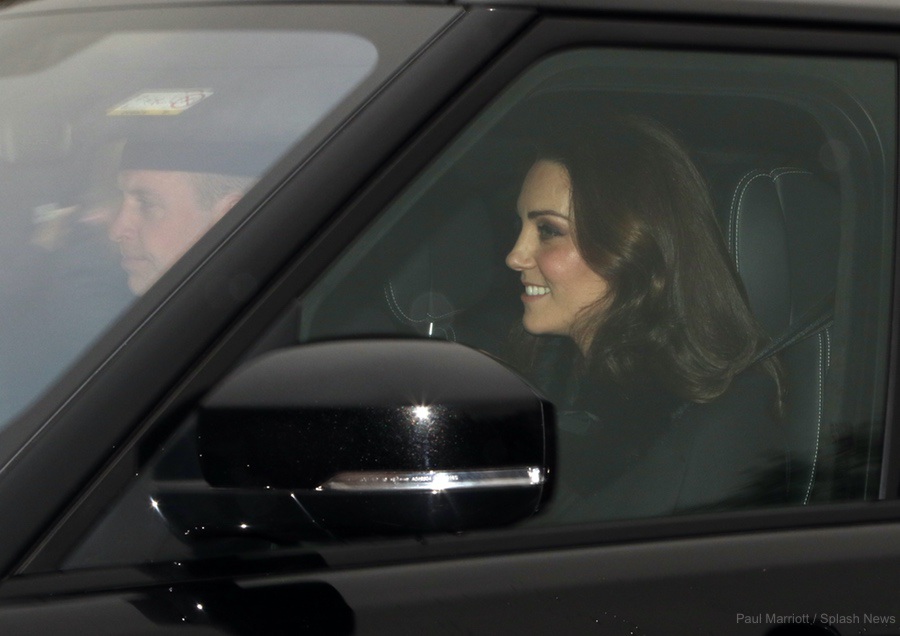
520, 257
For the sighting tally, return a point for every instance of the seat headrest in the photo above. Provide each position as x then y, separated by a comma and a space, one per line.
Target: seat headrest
430, 288
783, 233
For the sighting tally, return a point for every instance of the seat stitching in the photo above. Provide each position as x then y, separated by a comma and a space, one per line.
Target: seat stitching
732, 208
823, 338
733, 212
395, 306
450, 313
401, 315
777, 173
736, 215
774, 174
820, 408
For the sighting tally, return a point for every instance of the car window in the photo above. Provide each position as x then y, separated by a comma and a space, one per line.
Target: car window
688, 254
728, 274
125, 135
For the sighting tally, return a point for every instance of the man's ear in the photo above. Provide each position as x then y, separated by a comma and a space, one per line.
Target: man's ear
226, 203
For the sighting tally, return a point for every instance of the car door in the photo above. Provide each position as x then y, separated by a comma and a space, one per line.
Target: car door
750, 100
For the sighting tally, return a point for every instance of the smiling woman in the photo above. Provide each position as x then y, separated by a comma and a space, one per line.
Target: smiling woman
621, 253
621, 256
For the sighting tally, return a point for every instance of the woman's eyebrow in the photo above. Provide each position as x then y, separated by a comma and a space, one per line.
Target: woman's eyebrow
537, 213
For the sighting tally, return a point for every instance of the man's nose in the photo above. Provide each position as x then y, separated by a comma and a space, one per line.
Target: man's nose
520, 257
123, 223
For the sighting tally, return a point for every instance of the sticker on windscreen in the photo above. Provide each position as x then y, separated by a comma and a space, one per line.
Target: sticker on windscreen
163, 102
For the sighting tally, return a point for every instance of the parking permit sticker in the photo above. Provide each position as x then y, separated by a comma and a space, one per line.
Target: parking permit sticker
169, 102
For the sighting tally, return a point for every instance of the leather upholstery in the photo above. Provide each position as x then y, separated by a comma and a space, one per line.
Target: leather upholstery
430, 292
414, 281
782, 230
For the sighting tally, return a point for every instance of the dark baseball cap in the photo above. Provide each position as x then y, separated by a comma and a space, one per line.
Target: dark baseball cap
236, 158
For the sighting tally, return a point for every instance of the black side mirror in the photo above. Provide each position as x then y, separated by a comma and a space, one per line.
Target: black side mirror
382, 436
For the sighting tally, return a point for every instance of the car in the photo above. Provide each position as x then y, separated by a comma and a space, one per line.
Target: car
294, 402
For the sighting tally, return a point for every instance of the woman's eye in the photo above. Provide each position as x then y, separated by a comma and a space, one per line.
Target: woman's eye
547, 231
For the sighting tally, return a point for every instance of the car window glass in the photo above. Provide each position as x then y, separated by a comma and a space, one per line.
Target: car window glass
688, 254
780, 154
125, 135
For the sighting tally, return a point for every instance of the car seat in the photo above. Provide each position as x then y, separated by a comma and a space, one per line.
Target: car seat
783, 233
433, 273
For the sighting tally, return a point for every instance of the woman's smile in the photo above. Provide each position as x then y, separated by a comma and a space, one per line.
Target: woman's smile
535, 291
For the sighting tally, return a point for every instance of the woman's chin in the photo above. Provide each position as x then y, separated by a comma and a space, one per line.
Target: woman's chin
530, 328
538, 330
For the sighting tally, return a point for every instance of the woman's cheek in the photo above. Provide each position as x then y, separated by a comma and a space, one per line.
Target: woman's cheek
559, 263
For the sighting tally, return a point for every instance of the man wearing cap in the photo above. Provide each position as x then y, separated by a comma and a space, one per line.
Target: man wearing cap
171, 196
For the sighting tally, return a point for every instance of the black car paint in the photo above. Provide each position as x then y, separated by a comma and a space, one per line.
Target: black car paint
725, 584
291, 422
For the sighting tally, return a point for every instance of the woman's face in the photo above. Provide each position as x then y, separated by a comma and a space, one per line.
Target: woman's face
558, 284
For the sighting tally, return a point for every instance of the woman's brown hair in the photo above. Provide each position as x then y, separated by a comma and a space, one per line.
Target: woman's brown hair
676, 312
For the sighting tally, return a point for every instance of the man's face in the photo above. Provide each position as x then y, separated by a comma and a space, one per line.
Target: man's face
159, 220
